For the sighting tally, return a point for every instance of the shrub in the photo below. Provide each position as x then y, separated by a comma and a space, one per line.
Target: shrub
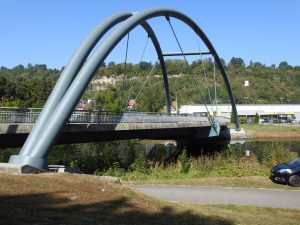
276, 153
141, 164
243, 119
256, 118
185, 162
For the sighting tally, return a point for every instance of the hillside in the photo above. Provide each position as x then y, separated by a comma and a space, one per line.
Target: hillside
30, 86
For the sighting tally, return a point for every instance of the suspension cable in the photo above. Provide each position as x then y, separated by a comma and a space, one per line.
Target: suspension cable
137, 72
204, 70
125, 65
143, 85
195, 82
215, 84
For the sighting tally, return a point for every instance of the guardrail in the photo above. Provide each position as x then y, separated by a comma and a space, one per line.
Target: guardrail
30, 115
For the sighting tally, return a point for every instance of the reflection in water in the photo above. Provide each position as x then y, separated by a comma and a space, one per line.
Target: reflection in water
240, 148
103, 155
259, 147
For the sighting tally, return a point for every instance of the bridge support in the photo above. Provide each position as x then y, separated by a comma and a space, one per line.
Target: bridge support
35, 162
68, 91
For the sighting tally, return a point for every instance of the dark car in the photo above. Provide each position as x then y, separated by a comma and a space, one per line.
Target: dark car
288, 173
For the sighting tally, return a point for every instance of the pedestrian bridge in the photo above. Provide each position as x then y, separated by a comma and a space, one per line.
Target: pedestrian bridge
92, 126
57, 117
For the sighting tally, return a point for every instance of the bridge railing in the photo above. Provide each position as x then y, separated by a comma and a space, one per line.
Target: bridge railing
18, 115
30, 115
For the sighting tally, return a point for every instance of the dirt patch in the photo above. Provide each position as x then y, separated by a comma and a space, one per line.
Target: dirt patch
85, 199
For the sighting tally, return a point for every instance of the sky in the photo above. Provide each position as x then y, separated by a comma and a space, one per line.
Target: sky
49, 31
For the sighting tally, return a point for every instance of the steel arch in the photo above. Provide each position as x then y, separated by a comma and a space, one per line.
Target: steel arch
69, 74
57, 118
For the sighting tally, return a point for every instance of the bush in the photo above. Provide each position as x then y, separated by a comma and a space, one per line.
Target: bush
185, 162
141, 164
276, 153
243, 119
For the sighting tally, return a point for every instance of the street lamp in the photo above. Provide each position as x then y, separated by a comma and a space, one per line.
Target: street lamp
281, 100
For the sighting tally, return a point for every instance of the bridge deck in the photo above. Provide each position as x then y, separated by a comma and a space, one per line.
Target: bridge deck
100, 126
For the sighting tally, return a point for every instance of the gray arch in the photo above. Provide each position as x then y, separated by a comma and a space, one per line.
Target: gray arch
69, 73
161, 59
53, 126
73, 68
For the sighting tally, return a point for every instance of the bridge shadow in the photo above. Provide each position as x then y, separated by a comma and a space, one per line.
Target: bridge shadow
12, 128
45, 208
206, 146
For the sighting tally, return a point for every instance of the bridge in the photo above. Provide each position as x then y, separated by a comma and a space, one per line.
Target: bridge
93, 126
56, 117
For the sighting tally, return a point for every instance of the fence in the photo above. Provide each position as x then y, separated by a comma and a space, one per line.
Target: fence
30, 115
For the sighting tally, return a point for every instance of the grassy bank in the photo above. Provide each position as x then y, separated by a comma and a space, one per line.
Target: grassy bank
244, 182
271, 131
223, 165
85, 199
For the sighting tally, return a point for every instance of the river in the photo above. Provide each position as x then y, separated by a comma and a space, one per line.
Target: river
125, 151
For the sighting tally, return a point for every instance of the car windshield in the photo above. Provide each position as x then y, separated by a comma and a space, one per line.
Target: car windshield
295, 162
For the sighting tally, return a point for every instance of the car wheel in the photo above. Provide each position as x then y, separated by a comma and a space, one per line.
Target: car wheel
294, 181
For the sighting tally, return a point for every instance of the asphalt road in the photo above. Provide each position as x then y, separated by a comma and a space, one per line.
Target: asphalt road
274, 198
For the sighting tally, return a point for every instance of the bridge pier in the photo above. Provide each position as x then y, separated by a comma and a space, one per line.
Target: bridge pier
29, 160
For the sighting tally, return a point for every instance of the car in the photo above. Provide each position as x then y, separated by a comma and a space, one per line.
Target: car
289, 121
249, 120
266, 121
287, 173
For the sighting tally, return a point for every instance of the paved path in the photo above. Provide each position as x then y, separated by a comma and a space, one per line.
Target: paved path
224, 195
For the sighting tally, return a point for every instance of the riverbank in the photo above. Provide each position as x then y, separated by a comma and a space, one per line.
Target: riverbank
271, 131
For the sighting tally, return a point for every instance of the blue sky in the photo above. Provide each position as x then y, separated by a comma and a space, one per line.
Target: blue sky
49, 31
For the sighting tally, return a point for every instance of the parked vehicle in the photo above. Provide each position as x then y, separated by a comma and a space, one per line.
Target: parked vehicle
266, 121
287, 173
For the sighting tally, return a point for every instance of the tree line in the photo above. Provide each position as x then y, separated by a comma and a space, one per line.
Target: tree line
30, 86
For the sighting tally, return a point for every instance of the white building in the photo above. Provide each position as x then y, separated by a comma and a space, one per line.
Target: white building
279, 110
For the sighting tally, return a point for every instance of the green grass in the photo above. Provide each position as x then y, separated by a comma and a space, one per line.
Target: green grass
226, 164
272, 128
84, 199
244, 182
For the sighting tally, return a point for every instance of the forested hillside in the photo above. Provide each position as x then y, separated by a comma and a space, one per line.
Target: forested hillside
29, 86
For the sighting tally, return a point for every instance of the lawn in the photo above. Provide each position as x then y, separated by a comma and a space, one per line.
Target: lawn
247, 182
85, 199
271, 130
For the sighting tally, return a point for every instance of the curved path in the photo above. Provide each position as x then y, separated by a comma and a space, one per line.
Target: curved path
274, 198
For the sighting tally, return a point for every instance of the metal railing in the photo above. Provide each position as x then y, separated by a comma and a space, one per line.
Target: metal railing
30, 115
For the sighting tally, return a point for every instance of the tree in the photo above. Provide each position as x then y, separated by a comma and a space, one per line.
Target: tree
223, 62
2, 85
111, 64
237, 62
256, 118
284, 65
152, 98
145, 66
